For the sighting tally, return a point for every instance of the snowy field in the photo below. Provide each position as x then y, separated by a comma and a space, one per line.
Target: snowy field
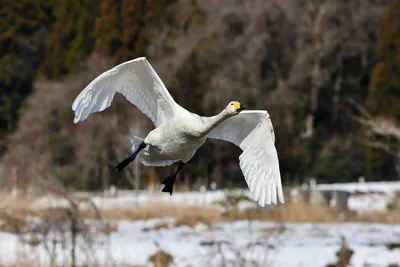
364, 187
240, 243
244, 243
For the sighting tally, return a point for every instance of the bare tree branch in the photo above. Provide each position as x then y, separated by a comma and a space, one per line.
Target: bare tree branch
382, 133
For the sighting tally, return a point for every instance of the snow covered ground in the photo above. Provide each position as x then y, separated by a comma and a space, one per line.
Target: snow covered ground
365, 187
251, 243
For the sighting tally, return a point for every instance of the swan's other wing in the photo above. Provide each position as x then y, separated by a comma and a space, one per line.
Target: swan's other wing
253, 132
138, 82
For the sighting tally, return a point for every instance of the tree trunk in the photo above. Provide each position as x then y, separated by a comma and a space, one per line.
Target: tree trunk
105, 172
336, 97
316, 75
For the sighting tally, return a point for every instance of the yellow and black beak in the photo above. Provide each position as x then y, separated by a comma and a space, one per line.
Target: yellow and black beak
241, 107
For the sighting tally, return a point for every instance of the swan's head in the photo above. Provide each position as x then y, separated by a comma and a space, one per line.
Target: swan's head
234, 108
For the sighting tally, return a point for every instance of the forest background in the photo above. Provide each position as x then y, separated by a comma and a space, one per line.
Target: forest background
328, 72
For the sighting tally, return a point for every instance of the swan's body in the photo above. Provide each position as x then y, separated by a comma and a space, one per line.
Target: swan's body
174, 140
179, 133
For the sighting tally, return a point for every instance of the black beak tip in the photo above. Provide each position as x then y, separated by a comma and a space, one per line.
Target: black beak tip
242, 107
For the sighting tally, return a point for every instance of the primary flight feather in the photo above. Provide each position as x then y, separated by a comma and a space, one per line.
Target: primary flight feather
179, 133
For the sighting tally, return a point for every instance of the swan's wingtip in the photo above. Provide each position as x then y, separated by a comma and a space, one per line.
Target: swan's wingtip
140, 59
268, 205
76, 120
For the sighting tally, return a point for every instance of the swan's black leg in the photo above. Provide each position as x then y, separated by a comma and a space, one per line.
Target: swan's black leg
170, 180
129, 159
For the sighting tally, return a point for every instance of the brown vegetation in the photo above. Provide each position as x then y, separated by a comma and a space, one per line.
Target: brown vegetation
161, 259
291, 212
343, 255
156, 227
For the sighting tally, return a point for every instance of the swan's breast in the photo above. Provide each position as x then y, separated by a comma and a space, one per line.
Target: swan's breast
177, 136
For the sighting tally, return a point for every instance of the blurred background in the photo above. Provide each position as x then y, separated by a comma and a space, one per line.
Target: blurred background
327, 71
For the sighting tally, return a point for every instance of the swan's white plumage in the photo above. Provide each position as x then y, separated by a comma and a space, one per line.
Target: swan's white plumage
179, 133
144, 158
138, 82
253, 132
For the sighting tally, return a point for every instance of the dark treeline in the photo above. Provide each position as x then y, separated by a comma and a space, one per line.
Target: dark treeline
315, 65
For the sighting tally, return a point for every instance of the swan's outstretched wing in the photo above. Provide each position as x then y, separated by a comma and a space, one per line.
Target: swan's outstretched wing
138, 82
253, 132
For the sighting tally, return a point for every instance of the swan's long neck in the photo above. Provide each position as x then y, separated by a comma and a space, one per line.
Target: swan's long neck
213, 122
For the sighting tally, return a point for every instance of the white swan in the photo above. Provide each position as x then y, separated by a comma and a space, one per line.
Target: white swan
179, 133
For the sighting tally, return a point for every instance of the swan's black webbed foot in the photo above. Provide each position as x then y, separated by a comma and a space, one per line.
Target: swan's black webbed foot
169, 184
129, 159
170, 180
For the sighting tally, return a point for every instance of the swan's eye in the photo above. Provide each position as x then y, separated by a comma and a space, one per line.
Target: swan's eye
231, 104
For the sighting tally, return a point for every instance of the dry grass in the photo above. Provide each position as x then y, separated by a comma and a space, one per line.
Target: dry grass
158, 226
161, 259
110, 227
289, 212
390, 217
275, 229
13, 214
343, 255
203, 214
191, 221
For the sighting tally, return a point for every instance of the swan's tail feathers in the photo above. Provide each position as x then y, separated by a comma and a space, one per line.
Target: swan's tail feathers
169, 184
131, 158
136, 142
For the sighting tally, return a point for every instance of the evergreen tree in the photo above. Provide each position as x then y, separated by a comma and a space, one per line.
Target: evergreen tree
384, 98
108, 27
124, 27
384, 90
71, 38
23, 30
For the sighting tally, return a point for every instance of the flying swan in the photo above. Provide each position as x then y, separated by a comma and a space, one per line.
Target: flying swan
179, 133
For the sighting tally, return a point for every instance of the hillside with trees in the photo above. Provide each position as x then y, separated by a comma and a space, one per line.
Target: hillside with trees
326, 71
